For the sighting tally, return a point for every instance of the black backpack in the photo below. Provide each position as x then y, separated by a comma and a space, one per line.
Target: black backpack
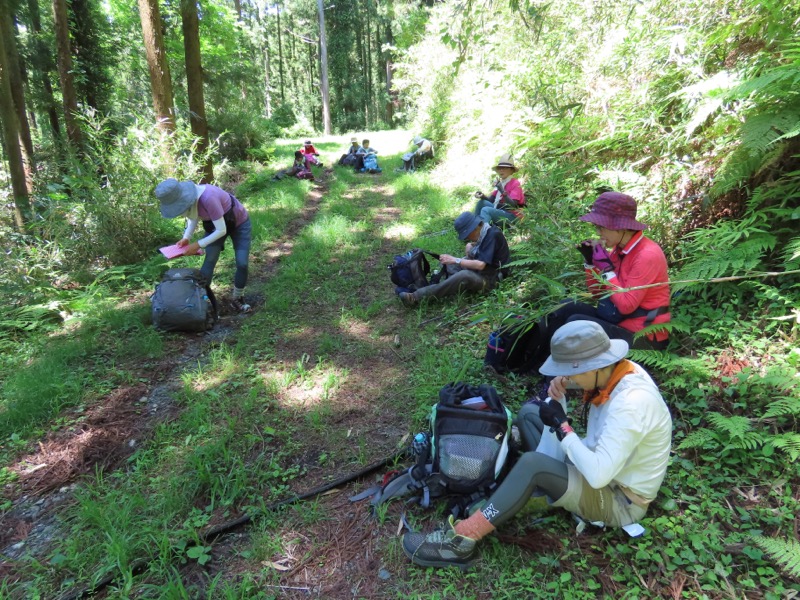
410, 271
464, 457
183, 301
514, 347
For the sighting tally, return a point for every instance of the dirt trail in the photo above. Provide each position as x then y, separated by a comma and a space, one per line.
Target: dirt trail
336, 559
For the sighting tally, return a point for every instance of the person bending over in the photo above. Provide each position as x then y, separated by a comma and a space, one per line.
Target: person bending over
222, 215
479, 270
610, 475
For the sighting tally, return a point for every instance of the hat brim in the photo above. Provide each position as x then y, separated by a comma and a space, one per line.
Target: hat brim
188, 196
464, 232
617, 351
614, 223
502, 166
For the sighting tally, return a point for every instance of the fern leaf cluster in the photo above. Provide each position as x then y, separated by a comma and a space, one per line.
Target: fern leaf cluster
785, 552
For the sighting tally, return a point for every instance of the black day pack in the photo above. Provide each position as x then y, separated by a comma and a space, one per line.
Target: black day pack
183, 301
462, 459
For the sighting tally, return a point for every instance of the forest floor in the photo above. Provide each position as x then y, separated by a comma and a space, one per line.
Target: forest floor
331, 557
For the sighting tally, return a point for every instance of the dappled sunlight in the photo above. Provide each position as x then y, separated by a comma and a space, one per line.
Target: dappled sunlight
400, 231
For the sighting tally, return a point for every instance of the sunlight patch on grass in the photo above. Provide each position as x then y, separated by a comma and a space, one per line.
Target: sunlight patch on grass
400, 231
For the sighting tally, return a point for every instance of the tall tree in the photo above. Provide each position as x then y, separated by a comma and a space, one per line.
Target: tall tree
64, 52
14, 74
280, 52
8, 116
44, 63
92, 55
323, 64
157, 65
194, 80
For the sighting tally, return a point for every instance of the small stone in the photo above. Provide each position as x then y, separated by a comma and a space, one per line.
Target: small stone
384, 574
132, 444
397, 341
18, 546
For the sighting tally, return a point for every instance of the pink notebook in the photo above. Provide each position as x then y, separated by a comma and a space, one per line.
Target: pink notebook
174, 251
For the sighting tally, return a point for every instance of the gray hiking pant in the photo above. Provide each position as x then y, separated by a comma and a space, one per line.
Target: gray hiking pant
533, 473
462, 280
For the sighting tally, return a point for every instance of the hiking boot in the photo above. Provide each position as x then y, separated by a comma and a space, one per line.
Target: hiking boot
408, 299
441, 548
239, 305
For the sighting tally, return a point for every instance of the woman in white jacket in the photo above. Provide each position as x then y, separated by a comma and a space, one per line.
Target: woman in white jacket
611, 475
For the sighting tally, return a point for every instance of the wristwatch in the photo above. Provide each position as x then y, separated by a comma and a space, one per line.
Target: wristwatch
458, 261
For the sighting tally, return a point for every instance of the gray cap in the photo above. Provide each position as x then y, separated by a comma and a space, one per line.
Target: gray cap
465, 224
176, 197
581, 346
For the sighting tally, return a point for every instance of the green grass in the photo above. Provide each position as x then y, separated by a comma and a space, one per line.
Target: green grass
236, 443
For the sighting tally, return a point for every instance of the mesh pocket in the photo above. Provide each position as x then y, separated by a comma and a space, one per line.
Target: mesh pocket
467, 457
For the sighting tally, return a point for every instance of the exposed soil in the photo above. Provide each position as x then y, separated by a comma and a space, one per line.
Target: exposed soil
332, 560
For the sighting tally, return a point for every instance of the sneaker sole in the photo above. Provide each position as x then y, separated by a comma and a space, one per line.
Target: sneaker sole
439, 563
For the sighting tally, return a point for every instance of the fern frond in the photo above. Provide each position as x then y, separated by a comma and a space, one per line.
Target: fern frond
743, 252
700, 438
788, 442
791, 253
782, 407
738, 430
785, 552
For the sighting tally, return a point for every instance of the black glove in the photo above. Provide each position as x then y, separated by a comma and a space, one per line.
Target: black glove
553, 416
586, 248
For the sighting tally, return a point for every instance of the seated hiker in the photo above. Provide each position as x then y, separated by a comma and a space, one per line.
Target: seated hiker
506, 200
611, 475
311, 153
300, 168
619, 280
350, 158
368, 159
416, 156
223, 217
480, 268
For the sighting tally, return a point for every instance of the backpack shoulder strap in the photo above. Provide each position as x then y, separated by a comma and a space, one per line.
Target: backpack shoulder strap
213, 298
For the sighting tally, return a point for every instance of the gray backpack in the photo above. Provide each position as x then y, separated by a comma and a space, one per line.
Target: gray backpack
183, 301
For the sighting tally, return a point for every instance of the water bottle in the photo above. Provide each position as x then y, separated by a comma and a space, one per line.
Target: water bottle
420, 444
420, 448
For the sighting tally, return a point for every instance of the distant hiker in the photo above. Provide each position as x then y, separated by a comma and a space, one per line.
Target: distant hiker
222, 216
311, 153
506, 200
611, 475
350, 158
422, 151
367, 159
633, 263
479, 270
301, 168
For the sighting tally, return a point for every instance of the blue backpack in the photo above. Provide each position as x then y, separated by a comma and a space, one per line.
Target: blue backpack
371, 164
410, 271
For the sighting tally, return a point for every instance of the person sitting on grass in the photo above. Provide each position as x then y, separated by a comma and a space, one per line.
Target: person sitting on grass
610, 475
222, 215
414, 158
311, 153
350, 158
479, 270
367, 159
300, 168
506, 200
623, 271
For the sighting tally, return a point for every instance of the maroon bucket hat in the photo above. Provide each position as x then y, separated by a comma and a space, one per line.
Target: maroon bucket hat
614, 210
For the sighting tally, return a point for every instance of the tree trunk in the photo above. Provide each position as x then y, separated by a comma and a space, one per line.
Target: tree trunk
8, 116
280, 53
323, 61
157, 65
14, 74
194, 81
70, 99
389, 70
45, 63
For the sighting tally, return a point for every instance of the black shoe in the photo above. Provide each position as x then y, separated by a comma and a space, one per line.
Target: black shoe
441, 548
408, 299
239, 305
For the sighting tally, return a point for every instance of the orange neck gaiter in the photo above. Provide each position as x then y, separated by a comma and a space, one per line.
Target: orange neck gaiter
598, 397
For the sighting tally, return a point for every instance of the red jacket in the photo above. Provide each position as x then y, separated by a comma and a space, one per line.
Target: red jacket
309, 150
640, 262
